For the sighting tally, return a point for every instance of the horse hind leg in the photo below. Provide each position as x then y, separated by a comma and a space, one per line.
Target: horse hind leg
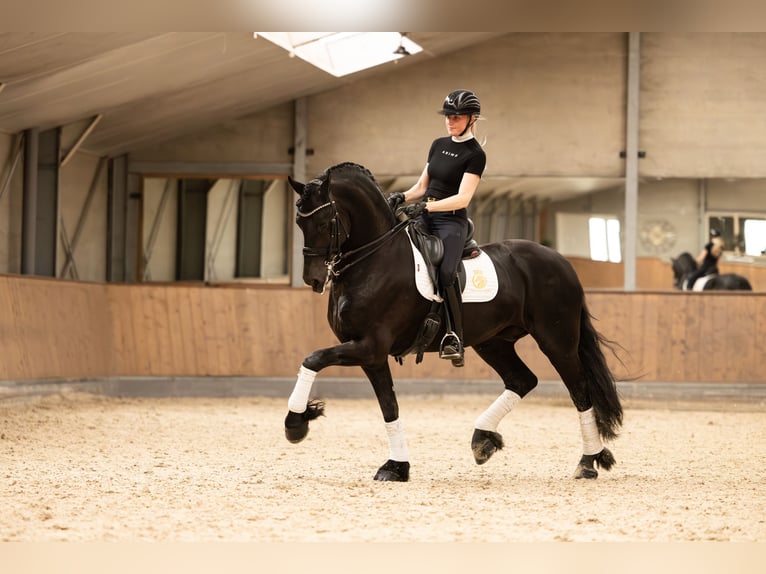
587, 378
594, 451
500, 354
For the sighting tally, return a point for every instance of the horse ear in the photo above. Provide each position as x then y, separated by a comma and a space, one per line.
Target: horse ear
296, 185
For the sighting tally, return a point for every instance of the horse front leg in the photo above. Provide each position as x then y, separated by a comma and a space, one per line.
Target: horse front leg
397, 467
300, 409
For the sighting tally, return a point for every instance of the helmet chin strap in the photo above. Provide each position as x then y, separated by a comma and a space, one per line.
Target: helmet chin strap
467, 126
463, 137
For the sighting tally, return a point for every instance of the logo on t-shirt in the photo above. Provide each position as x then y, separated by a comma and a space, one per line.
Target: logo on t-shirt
449, 153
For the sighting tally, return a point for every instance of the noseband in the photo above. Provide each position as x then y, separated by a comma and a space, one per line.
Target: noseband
332, 251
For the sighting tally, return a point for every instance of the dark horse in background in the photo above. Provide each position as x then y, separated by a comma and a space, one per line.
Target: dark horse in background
684, 265
356, 246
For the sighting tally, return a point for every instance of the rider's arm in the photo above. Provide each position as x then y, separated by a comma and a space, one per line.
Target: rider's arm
467, 188
418, 190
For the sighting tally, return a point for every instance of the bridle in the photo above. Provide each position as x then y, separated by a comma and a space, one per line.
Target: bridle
332, 251
337, 261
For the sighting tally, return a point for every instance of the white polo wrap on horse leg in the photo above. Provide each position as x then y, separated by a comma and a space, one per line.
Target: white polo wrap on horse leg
397, 442
591, 440
299, 398
490, 419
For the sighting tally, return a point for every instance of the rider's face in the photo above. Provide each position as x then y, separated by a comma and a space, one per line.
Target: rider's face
456, 124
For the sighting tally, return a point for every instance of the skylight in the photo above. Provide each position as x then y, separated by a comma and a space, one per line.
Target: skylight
343, 53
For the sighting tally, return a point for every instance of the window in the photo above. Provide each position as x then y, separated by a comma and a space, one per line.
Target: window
604, 237
342, 53
586, 235
215, 229
755, 236
743, 234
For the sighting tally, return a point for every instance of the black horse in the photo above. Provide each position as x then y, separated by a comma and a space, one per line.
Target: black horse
684, 265
357, 246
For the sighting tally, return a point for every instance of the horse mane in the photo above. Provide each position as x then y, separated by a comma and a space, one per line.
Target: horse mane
349, 165
355, 171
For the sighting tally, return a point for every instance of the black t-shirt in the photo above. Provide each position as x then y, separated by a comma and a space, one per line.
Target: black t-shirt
710, 261
448, 160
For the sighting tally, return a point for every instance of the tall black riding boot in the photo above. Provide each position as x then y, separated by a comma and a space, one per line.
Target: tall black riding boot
452, 343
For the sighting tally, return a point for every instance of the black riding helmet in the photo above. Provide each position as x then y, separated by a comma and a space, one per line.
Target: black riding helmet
461, 103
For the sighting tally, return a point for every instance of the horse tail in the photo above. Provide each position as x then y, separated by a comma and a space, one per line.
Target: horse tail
599, 379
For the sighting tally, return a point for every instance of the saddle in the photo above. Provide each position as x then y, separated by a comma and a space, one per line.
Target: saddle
432, 247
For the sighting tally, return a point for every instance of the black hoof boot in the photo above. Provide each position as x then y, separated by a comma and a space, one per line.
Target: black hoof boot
297, 424
586, 468
484, 444
393, 471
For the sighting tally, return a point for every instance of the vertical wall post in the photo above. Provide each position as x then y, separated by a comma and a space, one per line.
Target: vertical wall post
117, 204
631, 160
299, 173
29, 209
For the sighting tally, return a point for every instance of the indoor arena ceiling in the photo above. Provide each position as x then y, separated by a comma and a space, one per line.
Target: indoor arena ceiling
143, 88
148, 87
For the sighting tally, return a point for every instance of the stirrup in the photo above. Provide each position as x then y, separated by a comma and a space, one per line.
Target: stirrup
451, 348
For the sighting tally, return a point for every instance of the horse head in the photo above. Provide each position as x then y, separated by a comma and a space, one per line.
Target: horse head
345, 196
682, 266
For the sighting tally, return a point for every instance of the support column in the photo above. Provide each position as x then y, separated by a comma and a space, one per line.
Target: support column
299, 173
117, 206
631, 160
29, 208
47, 211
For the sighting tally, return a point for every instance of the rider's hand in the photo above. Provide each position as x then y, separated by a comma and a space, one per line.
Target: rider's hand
395, 200
415, 210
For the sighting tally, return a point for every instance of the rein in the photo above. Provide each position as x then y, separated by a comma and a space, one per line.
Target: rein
336, 261
367, 249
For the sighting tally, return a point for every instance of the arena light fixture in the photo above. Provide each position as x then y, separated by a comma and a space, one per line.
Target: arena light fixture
343, 53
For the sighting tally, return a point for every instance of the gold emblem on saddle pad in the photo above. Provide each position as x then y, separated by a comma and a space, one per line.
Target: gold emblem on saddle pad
478, 280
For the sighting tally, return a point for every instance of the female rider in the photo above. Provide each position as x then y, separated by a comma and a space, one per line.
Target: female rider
448, 182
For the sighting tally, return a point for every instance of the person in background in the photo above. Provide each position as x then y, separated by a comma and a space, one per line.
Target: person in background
447, 184
707, 260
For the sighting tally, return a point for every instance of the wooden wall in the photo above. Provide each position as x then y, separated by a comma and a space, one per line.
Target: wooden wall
653, 274
59, 329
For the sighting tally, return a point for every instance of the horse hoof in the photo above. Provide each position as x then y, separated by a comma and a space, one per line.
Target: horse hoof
586, 468
296, 427
584, 471
484, 444
393, 471
297, 424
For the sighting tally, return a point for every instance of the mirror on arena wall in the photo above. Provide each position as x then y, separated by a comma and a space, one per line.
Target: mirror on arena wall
215, 230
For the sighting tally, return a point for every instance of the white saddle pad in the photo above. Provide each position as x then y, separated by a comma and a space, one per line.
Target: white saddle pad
699, 284
480, 283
